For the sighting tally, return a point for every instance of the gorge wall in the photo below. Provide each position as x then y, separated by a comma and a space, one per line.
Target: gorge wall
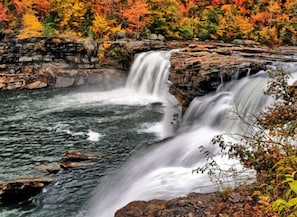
51, 62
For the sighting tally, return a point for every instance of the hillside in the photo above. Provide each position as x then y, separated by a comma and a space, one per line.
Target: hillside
266, 21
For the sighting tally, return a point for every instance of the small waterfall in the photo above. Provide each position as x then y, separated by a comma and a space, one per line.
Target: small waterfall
149, 73
165, 170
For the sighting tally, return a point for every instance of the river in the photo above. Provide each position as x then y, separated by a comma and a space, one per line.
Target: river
126, 127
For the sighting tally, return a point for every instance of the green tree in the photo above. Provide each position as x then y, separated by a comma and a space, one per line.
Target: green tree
165, 17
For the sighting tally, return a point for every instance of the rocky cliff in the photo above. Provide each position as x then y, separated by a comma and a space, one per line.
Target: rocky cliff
55, 62
200, 68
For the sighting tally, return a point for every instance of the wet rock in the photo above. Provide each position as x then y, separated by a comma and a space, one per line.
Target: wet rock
200, 68
238, 203
75, 159
36, 85
68, 164
62, 81
21, 189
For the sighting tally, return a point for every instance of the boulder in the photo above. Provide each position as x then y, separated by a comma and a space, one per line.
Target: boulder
21, 189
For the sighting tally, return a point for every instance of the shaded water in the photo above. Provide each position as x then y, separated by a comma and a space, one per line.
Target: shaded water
38, 127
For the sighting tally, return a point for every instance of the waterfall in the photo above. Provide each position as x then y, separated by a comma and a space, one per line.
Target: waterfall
149, 73
165, 170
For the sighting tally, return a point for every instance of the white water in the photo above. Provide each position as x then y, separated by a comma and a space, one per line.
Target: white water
150, 77
165, 171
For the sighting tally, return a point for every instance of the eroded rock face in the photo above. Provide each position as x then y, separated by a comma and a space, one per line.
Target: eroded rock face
22, 189
52, 62
200, 68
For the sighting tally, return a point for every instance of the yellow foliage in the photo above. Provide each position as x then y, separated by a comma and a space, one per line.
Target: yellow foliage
117, 29
100, 25
245, 25
71, 13
32, 27
227, 8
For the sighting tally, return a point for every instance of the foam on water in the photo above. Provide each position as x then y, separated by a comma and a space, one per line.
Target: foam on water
165, 171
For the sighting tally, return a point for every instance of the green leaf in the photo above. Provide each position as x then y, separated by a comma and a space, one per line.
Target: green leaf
279, 205
293, 214
293, 186
288, 193
292, 202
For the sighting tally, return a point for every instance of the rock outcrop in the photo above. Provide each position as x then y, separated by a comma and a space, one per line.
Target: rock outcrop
56, 62
239, 202
21, 189
76, 159
200, 68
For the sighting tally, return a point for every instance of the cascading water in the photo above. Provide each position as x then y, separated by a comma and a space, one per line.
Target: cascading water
165, 170
150, 77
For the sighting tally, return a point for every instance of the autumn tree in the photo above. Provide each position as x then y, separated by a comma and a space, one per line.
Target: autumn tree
32, 27
209, 24
137, 15
3, 16
72, 15
165, 17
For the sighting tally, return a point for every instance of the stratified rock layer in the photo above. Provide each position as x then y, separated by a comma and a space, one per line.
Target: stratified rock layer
200, 68
56, 62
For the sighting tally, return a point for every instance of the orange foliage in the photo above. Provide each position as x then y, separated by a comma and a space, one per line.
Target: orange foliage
136, 15
3, 11
185, 8
268, 21
43, 6
261, 17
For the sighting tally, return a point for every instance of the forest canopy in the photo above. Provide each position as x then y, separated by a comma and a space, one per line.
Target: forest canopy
267, 21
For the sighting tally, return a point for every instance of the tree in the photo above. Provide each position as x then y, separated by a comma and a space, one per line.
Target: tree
165, 17
100, 25
31, 27
136, 14
3, 13
209, 24
73, 15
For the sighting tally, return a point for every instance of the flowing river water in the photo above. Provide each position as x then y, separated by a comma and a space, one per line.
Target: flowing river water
125, 125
